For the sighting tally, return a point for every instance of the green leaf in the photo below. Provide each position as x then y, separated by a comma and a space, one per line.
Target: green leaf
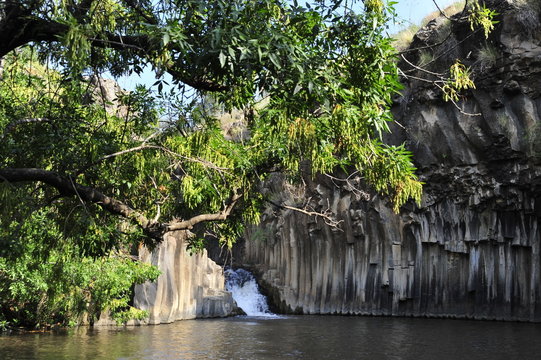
222, 58
231, 52
274, 59
166, 39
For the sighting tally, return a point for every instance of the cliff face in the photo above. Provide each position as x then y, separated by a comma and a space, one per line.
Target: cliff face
189, 286
472, 249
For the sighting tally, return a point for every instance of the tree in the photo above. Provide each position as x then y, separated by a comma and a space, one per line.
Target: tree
325, 74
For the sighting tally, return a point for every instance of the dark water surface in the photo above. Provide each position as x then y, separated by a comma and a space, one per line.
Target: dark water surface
306, 337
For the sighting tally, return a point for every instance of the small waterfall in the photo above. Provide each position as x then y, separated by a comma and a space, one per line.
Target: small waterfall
243, 287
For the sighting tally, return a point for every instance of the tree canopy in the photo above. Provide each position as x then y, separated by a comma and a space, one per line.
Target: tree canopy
314, 82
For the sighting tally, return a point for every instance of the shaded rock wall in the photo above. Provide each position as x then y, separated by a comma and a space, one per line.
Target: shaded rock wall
443, 260
189, 286
472, 249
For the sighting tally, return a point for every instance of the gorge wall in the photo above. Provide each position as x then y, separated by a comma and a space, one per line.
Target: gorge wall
472, 249
190, 286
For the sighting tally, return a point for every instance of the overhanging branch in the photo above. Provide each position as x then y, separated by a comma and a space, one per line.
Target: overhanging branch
190, 223
68, 187
327, 216
20, 27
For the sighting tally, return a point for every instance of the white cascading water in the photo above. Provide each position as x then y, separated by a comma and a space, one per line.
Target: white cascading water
243, 287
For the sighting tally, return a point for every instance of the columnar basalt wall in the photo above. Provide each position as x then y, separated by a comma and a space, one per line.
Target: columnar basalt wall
190, 286
442, 260
472, 249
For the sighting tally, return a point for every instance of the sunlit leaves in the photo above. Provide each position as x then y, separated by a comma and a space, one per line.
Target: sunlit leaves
481, 16
459, 80
44, 280
315, 85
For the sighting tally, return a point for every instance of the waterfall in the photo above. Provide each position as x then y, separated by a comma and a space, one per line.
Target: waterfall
243, 287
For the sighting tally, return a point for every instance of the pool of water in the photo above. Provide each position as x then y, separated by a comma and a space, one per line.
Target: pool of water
291, 337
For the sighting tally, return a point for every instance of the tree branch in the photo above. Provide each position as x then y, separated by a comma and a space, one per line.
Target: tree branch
420, 68
68, 187
440, 10
190, 223
137, 8
12, 125
144, 146
20, 27
327, 215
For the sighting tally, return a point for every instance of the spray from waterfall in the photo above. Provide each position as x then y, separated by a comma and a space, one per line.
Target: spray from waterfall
243, 287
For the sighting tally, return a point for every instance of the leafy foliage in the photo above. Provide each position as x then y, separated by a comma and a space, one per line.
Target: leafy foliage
45, 280
49, 268
480, 15
459, 80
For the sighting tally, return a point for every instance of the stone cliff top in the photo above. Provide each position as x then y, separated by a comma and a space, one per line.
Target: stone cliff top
462, 154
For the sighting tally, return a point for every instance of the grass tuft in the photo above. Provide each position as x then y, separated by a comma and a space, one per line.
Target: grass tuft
487, 56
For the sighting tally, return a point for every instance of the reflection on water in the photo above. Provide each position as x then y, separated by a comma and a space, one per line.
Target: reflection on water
306, 337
